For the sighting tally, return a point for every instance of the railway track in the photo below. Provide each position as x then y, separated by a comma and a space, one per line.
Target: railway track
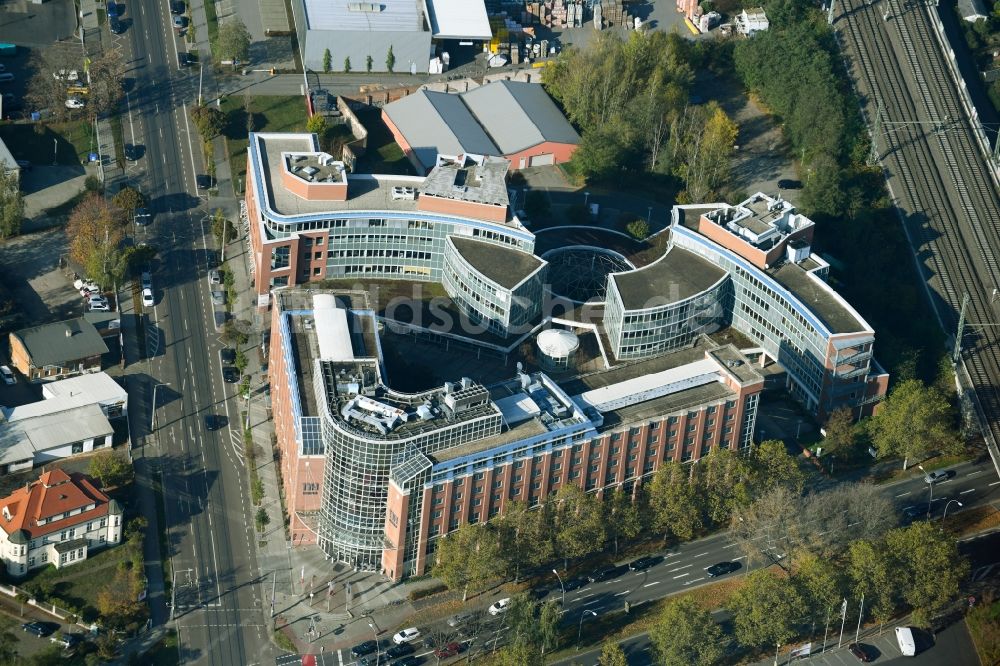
938, 178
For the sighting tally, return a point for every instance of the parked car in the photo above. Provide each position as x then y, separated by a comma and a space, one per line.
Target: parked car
180, 22
449, 650
406, 635
40, 629
7, 375
228, 355
115, 26
789, 184
575, 583
642, 563
230, 375
88, 285
606, 573
96, 299
147, 298
400, 650
500, 606
177, 7
722, 568
23, 165
361, 649
861, 652
67, 640
66, 75
214, 277
935, 477
460, 619
75, 103
6, 77
115, 10
218, 297
147, 280
100, 307
143, 216
410, 660
184, 59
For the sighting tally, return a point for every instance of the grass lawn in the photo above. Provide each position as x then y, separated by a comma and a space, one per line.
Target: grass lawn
78, 586
73, 139
270, 114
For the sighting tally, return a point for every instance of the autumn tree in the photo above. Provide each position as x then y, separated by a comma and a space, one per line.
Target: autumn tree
520, 654
612, 654
770, 529
45, 91
624, 519
129, 200
725, 478
927, 558
773, 466
857, 510
840, 436
96, 229
107, 83
674, 502
234, 41
767, 609
701, 147
11, 204
526, 537
913, 421
686, 635
111, 468
578, 523
467, 558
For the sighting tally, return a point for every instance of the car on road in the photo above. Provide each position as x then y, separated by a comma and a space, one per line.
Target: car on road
410, 660
214, 276
185, 59
143, 216
936, 476
6, 77
228, 355
400, 650
40, 629
914, 512
722, 568
361, 649
147, 298
575, 583
606, 573
406, 635
115, 26
215, 421
230, 375
7, 375
177, 7
861, 652
449, 650
218, 297
500, 606
642, 563
180, 22
458, 620
147, 280
75, 103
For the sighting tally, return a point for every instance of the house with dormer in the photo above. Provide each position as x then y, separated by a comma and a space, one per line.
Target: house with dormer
58, 519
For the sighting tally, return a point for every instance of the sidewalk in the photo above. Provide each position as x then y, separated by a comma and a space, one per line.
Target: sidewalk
94, 45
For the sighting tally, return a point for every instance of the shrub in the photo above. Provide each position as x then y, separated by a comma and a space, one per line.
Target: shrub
424, 592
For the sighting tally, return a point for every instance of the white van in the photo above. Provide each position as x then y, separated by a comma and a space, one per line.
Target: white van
904, 636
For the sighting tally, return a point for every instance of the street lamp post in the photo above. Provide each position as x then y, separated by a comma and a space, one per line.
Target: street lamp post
930, 486
950, 502
563, 587
152, 419
579, 631
375, 634
777, 647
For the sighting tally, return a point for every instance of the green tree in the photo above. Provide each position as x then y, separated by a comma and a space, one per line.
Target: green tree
612, 654
674, 502
209, 120
467, 558
725, 477
624, 520
520, 654
913, 421
873, 575
111, 468
767, 609
241, 361
578, 522
637, 229
8, 646
526, 536
702, 144
819, 582
316, 124
602, 151
129, 200
686, 635
773, 466
221, 225
11, 204
327, 61
261, 519
823, 191
840, 436
927, 558
234, 41
368, 63
548, 625
390, 59
520, 617
96, 230
347, 64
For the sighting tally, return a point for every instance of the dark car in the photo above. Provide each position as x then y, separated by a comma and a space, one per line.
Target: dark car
132, 152
861, 652
361, 649
68, 641
39, 629
576, 583
606, 573
914, 512
449, 650
115, 10
722, 568
642, 563
177, 7
400, 650
228, 355
184, 59
789, 184
411, 660
215, 421
180, 22
231, 375
115, 26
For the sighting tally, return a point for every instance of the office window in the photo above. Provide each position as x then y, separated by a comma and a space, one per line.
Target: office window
310, 488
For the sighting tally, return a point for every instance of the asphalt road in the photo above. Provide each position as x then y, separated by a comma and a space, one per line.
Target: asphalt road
683, 568
218, 608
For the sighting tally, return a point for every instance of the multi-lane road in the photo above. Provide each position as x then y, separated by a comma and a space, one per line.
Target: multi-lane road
218, 609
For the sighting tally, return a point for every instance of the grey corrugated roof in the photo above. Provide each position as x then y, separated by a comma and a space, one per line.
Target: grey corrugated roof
56, 343
409, 48
518, 115
20, 440
389, 15
437, 122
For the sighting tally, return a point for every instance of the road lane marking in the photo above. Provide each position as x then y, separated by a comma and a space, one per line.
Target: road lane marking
695, 580
732, 545
978, 471
686, 566
669, 555
995, 483
686, 573
965, 492
621, 593
700, 554
655, 582
595, 601
586, 596
904, 494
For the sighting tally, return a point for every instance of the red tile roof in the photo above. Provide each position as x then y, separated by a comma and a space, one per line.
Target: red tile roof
54, 493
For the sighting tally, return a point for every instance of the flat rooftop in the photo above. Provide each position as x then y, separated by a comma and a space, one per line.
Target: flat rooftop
382, 16
505, 266
818, 297
315, 167
476, 183
678, 275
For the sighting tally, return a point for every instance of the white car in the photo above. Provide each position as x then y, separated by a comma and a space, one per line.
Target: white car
75, 103
500, 606
404, 193
7, 376
66, 75
406, 636
147, 298
97, 299
86, 285
100, 307
147, 280
214, 277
